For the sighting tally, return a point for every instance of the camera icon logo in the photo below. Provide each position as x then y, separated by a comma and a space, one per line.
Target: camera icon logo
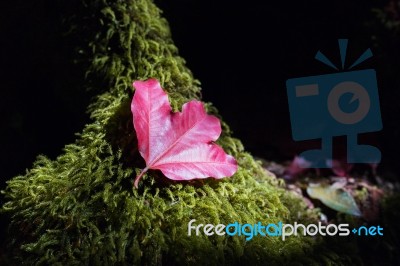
338, 104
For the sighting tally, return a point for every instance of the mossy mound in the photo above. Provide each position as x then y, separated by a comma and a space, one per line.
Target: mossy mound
81, 209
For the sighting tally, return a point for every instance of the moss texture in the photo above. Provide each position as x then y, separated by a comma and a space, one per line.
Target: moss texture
81, 209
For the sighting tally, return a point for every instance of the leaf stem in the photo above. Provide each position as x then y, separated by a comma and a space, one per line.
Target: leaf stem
135, 184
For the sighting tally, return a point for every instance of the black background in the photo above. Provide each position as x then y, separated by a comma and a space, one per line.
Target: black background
242, 52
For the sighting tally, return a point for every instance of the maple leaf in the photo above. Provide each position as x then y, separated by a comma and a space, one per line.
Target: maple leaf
180, 144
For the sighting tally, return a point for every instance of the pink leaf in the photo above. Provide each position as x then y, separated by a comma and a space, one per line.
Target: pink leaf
298, 166
179, 144
340, 167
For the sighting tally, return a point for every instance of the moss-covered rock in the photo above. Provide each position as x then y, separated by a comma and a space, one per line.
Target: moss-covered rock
81, 209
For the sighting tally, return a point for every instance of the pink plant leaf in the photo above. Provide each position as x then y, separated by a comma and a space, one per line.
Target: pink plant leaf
340, 167
180, 144
298, 166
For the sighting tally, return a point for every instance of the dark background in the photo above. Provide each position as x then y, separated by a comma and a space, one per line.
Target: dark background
243, 53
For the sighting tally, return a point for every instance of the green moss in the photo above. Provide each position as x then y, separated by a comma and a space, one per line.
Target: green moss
81, 209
